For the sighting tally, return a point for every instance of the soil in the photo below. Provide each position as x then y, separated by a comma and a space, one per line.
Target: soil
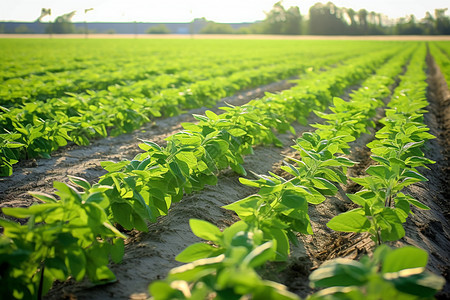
149, 256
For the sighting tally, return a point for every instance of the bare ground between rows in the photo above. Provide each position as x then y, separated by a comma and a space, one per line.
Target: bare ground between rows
38, 175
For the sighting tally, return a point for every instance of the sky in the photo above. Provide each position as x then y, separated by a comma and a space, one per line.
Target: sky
227, 11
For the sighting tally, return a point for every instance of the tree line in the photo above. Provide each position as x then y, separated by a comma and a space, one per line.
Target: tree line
328, 19
323, 19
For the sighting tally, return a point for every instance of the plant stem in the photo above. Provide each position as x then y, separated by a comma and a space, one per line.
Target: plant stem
41, 282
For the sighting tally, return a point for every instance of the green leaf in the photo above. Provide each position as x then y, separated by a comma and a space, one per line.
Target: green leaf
339, 272
200, 117
114, 167
195, 251
20, 212
117, 250
230, 232
189, 158
196, 269
413, 174
161, 290
80, 182
380, 159
416, 282
323, 184
382, 172
205, 230
76, 262
357, 199
293, 199
147, 145
417, 203
123, 213
350, 221
282, 245
259, 255
14, 145
245, 207
391, 225
345, 161
237, 132
404, 258
211, 115
43, 197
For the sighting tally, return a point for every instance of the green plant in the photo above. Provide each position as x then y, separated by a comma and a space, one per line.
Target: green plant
223, 271
67, 237
9, 147
384, 208
390, 274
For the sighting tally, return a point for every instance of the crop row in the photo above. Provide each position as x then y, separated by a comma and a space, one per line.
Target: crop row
270, 219
74, 235
39, 128
280, 209
22, 58
101, 72
442, 57
397, 152
182, 70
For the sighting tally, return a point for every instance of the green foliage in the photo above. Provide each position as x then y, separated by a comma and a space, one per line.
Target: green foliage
226, 270
389, 274
67, 237
384, 208
144, 188
158, 29
9, 147
76, 104
137, 191
440, 53
217, 28
281, 21
62, 24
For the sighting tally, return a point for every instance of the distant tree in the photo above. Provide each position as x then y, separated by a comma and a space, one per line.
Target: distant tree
427, 24
327, 19
281, 21
216, 28
275, 19
408, 27
374, 24
44, 12
442, 21
257, 28
158, 29
197, 25
363, 24
293, 22
244, 30
353, 28
23, 29
62, 24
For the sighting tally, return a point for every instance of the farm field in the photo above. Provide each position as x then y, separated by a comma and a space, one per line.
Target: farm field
262, 158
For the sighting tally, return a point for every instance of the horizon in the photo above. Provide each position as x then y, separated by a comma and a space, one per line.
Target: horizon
232, 11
